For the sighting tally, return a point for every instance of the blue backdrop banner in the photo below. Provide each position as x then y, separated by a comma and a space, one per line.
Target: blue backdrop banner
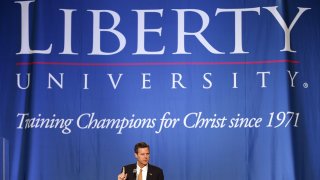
225, 90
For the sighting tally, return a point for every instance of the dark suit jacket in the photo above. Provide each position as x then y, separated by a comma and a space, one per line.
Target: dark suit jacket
154, 172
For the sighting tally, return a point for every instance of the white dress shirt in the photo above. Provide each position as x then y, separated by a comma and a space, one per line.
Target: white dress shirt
144, 172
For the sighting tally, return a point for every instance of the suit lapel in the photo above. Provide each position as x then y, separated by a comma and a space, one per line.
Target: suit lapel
130, 169
149, 173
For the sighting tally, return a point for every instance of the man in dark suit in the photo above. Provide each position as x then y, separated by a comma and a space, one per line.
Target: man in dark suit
142, 170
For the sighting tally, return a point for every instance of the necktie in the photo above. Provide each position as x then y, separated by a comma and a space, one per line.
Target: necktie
140, 175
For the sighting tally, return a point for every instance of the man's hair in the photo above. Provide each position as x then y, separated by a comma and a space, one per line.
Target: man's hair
140, 145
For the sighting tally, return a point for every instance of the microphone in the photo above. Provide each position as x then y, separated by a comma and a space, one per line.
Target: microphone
134, 172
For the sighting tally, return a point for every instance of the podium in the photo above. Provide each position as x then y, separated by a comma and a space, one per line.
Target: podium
4, 159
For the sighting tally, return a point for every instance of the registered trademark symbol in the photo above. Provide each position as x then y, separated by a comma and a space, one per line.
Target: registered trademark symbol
305, 85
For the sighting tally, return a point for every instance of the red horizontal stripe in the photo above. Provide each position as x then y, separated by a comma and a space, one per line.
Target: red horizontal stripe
157, 63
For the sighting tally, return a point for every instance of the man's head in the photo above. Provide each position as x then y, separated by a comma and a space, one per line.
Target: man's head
142, 153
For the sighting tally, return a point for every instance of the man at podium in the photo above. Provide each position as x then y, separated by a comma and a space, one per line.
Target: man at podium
141, 170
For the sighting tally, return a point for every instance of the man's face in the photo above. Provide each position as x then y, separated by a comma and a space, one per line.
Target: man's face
143, 156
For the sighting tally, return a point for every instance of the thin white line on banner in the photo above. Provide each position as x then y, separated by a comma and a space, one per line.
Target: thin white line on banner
3, 159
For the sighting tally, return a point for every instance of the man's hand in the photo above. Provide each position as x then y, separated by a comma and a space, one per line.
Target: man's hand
123, 175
